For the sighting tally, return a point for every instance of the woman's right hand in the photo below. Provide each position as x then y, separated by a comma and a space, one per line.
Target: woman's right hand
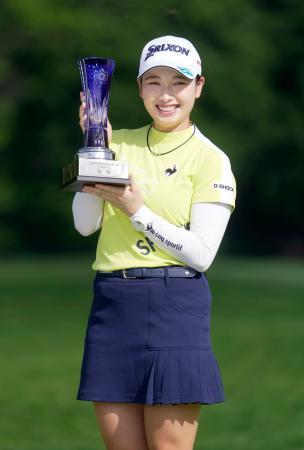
83, 117
82, 112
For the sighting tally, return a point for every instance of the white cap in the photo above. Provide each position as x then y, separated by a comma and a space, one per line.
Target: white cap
171, 51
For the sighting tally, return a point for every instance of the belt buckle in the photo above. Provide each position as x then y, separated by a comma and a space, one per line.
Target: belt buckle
124, 274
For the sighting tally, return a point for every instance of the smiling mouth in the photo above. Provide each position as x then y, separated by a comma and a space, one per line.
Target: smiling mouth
167, 109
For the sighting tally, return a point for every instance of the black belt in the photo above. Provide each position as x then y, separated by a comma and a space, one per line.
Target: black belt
152, 272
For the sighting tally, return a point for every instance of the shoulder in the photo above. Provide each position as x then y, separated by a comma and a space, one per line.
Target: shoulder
213, 165
210, 152
213, 179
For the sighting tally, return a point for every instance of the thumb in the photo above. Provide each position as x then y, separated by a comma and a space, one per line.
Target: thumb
133, 184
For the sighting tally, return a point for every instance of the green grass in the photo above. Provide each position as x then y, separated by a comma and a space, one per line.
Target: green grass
258, 338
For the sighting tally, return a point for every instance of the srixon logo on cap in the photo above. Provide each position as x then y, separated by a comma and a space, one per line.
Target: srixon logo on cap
166, 47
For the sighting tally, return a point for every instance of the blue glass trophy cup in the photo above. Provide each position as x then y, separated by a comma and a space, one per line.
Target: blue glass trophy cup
95, 162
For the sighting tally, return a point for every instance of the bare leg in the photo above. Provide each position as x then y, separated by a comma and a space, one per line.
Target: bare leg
121, 425
171, 427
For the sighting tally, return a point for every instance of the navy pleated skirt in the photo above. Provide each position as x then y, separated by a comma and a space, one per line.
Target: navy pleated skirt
148, 342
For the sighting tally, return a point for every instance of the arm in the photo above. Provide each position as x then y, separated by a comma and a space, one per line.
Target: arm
196, 247
87, 213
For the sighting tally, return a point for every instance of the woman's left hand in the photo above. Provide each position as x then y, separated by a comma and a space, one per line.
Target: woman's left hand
127, 198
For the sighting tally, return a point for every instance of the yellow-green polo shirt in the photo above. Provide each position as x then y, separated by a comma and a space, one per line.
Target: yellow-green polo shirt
198, 171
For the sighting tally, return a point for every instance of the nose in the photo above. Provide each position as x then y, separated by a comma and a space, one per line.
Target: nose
165, 94
165, 97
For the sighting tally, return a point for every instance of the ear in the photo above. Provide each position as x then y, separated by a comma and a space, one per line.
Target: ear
199, 86
139, 82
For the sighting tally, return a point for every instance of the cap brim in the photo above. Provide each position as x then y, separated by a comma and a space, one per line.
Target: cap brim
177, 69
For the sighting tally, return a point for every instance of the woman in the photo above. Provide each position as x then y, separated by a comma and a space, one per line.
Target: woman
148, 363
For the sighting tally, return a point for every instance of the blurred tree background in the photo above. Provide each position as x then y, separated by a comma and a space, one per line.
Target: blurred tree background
252, 52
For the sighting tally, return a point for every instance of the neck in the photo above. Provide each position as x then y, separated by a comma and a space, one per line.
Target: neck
168, 129
161, 140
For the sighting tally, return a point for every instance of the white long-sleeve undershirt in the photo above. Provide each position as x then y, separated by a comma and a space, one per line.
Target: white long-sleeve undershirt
196, 247
87, 213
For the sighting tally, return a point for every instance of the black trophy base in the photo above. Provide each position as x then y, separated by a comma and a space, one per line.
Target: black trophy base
80, 181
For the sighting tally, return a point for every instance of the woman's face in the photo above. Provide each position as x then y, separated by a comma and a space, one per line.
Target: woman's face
169, 97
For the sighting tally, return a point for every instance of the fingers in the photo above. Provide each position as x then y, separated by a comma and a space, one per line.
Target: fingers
132, 181
83, 117
95, 191
109, 130
114, 194
99, 189
133, 185
91, 190
82, 112
110, 189
124, 198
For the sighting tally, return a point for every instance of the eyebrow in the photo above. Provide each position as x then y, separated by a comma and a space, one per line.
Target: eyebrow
180, 77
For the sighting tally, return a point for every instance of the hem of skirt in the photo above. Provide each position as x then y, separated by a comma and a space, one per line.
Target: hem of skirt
134, 399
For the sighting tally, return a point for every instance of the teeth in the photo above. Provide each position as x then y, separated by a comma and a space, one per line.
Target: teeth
166, 108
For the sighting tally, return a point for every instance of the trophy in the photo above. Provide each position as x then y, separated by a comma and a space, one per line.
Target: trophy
95, 162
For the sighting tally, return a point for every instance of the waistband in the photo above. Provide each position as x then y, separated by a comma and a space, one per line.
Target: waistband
152, 272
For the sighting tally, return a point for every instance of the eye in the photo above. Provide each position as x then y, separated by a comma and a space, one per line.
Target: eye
151, 83
180, 83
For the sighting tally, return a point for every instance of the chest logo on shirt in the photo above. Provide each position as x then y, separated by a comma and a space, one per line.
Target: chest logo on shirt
170, 171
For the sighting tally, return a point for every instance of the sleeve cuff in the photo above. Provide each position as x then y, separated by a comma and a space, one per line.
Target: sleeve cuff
142, 218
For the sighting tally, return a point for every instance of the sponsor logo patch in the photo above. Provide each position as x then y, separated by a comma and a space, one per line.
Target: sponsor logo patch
170, 171
166, 47
223, 186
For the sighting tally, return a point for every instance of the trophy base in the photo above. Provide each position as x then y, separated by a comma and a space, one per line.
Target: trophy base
89, 168
80, 181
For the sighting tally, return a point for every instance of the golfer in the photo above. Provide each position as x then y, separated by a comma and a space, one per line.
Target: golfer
148, 363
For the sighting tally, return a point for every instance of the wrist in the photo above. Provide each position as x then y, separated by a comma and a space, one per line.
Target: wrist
143, 218
133, 210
